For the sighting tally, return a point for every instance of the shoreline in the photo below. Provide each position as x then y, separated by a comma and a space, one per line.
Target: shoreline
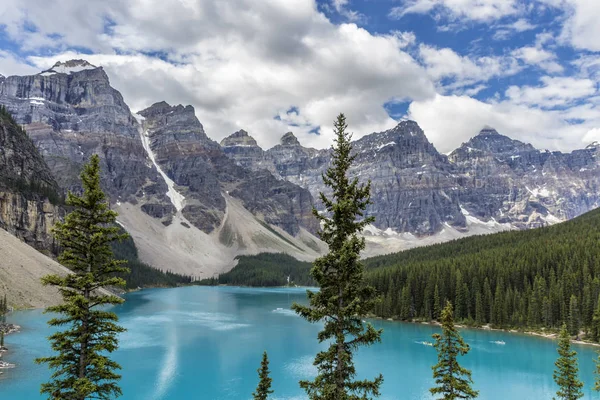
549, 335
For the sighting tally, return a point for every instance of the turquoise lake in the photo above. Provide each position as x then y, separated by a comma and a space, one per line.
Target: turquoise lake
207, 342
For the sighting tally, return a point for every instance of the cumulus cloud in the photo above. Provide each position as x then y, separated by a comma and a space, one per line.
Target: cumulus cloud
451, 120
477, 10
553, 92
242, 63
581, 28
539, 57
464, 70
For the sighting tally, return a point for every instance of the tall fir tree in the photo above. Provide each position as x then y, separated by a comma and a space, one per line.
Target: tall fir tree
597, 374
566, 372
81, 367
451, 379
343, 299
263, 390
574, 316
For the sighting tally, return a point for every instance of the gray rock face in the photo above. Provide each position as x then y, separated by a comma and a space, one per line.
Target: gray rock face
415, 189
201, 170
26, 188
515, 183
72, 112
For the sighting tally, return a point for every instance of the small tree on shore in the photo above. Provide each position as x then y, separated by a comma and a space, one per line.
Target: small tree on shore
565, 374
82, 369
263, 390
452, 380
343, 299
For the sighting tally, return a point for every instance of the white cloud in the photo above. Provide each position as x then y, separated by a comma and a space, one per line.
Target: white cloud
341, 6
451, 120
581, 28
554, 91
464, 70
242, 62
12, 65
477, 10
538, 57
507, 30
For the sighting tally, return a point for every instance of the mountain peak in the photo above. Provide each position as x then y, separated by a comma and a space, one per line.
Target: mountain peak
69, 67
593, 145
289, 140
240, 138
488, 131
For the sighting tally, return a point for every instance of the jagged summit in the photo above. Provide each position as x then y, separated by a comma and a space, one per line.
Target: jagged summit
289, 140
240, 138
488, 131
593, 145
68, 67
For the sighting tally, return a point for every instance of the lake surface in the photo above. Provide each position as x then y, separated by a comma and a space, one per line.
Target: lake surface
207, 342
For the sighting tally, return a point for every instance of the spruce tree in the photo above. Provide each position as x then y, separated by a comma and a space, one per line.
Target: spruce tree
574, 316
597, 374
343, 299
81, 367
263, 390
452, 381
565, 374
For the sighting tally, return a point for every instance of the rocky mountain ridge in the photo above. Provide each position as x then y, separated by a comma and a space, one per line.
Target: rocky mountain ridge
193, 204
491, 180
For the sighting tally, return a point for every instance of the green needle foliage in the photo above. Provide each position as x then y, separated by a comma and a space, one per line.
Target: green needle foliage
82, 369
343, 299
452, 381
263, 390
565, 374
597, 374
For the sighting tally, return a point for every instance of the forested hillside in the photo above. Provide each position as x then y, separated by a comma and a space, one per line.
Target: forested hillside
265, 269
535, 278
522, 279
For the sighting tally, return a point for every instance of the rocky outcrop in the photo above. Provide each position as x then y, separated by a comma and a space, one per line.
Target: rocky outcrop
28, 192
201, 171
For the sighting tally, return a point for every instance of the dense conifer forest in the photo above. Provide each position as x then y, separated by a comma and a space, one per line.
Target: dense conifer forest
265, 269
532, 279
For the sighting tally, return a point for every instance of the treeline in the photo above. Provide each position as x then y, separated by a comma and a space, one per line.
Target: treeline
265, 269
143, 275
538, 278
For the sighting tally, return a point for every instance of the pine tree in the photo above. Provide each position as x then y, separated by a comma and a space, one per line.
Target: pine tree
565, 374
574, 317
81, 367
1, 339
343, 299
437, 304
452, 380
263, 390
597, 374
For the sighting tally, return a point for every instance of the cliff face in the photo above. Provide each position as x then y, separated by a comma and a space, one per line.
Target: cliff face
26, 188
72, 112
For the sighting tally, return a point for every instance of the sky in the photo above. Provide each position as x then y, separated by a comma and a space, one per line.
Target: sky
529, 68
